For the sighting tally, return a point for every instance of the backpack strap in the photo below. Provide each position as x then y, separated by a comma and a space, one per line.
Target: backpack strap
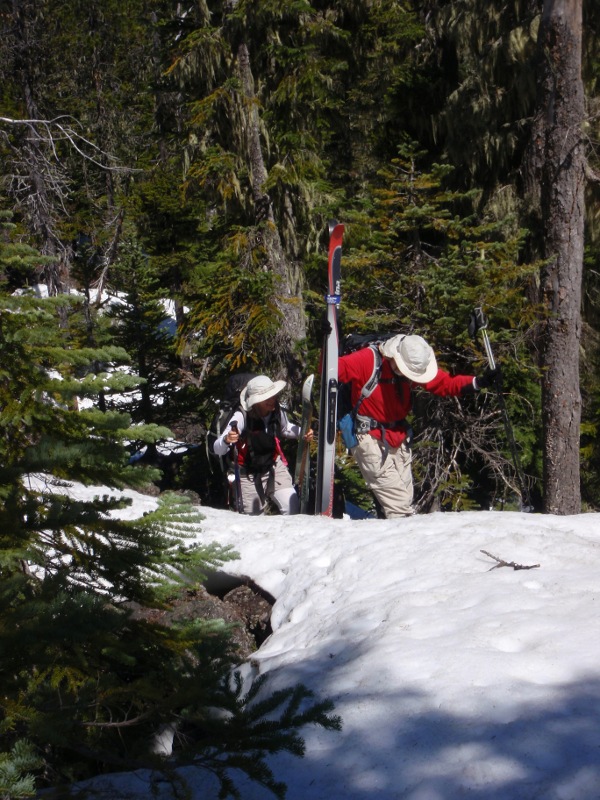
366, 424
256, 462
370, 386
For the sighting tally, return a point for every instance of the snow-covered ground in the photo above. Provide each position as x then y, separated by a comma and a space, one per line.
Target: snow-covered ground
454, 677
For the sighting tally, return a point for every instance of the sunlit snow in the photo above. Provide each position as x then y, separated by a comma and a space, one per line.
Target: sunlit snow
455, 677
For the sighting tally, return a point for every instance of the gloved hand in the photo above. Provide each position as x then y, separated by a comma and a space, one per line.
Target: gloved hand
491, 377
325, 326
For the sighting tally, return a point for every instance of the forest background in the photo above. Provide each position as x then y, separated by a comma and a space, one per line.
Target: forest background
197, 153
194, 154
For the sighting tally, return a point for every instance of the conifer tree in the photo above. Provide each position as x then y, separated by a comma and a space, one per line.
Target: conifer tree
87, 676
419, 262
558, 168
82, 87
501, 98
142, 326
71, 651
220, 62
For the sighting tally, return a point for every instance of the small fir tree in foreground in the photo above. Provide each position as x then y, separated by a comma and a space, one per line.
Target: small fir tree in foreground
87, 680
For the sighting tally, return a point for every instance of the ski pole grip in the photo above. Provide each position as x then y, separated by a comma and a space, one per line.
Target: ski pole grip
488, 350
480, 318
477, 322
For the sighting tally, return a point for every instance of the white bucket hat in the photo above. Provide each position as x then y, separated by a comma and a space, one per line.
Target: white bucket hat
259, 389
413, 357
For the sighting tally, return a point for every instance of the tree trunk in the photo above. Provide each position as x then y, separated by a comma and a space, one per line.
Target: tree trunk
559, 154
288, 275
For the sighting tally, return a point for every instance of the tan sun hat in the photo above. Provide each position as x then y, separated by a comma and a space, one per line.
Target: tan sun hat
259, 389
413, 357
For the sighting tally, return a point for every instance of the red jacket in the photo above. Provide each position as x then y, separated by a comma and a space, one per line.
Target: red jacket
391, 400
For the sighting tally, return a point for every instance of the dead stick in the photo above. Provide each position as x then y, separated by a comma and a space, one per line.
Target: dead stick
502, 563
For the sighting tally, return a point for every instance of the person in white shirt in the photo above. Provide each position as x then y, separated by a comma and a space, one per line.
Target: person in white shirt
255, 430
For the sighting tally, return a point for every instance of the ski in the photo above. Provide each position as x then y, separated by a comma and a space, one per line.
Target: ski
302, 474
329, 377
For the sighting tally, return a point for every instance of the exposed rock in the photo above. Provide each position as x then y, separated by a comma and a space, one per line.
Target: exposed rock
254, 609
246, 609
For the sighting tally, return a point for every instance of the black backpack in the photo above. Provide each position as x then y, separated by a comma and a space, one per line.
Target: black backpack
356, 341
227, 407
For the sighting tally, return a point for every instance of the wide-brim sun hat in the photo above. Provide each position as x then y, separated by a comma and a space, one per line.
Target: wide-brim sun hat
259, 389
413, 357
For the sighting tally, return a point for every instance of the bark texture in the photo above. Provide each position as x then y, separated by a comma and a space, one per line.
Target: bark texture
560, 156
288, 274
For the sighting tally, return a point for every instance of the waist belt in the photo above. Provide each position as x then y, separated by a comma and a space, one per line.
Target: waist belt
367, 424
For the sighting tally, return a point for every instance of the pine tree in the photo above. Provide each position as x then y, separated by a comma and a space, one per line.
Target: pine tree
68, 566
220, 63
143, 327
87, 676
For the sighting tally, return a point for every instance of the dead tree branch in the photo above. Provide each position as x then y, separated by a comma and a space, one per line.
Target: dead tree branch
62, 129
502, 563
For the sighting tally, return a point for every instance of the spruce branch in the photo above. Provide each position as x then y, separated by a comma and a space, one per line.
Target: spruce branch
16, 768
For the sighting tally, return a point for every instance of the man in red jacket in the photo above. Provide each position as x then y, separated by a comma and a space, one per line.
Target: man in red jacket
383, 451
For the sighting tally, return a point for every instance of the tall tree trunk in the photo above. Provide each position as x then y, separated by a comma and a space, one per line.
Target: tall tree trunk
559, 158
288, 274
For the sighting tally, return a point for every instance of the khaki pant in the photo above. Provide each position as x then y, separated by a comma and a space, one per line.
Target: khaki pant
275, 485
388, 476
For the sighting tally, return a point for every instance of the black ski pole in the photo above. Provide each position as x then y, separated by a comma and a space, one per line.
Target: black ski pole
479, 322
239, 505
